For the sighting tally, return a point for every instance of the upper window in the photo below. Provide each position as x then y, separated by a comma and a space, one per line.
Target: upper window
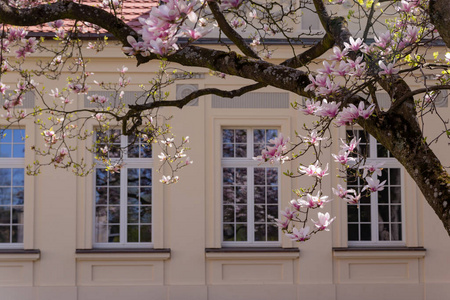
378, 219
12, 173
249, 191
123, 200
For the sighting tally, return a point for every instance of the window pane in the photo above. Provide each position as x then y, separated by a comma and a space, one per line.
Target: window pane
353, 232
384, 234
227, 136
260, 232
228, 232
133, 233
366, 234
272, 233
241, 136
395, 176
5, 234
5, 177
145, 233
5, 150
241, 232
18, 177
241, 150
396, 232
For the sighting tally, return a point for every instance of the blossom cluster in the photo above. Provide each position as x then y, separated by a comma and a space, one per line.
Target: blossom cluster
165, 24
276, 152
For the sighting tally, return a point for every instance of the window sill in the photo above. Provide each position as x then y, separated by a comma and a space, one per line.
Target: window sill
378, 252
252, 253
123, 254
19, 254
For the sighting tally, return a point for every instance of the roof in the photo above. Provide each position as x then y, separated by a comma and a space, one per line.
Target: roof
130, 13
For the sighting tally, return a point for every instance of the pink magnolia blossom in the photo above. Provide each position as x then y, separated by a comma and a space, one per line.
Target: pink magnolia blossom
373, 168
387, 70
168, 179
406, 6
347, 116
97, 99
274, 153
313, 138
188, 161
352, 198
310, 107
365, 113
373, 185
323, 221
299, 235
288, 213
341, 192
384, 40
227, 4
343, 157
338, 54
351, 146
343, 69
355, 45
282, 224
312, 201
196, 33
328, 69
314, 170
3, 88
329, 89
329, 110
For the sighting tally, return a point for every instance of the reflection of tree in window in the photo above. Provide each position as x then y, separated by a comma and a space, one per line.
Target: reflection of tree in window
249, 191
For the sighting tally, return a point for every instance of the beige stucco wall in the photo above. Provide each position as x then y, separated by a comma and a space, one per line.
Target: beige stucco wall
187, 220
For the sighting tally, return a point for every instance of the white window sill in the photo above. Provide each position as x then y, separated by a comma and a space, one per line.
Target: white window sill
378, 252
123, 254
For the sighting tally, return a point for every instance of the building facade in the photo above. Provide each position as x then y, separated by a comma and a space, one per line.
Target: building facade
211, 235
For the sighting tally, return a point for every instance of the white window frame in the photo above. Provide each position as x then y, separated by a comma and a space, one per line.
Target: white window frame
388, 162
249, 163
129, 163
15, 163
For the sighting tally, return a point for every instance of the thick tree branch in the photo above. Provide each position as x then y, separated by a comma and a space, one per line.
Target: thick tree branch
66, 10
234, 64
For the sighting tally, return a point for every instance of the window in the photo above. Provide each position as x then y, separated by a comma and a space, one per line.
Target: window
249, 190
12, 173
123, 200
378, 219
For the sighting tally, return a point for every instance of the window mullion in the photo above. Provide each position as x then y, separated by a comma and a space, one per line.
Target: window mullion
374, 216
250, 205
123, 206
373, 147
123, 197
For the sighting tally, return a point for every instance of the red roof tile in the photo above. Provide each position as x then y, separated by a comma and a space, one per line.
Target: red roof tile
130, 14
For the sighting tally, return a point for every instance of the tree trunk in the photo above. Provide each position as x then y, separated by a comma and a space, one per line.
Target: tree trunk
439, 11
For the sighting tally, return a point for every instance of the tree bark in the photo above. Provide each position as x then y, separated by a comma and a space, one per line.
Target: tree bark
439, 11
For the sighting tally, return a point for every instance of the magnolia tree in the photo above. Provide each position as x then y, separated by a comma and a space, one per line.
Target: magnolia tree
390, 45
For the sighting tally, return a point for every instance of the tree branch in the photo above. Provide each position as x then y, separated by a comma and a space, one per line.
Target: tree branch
195, 94
314, 52
230, 32
399, 101
66, 10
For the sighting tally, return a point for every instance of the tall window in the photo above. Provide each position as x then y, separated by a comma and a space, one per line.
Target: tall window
249, 191
123, 200
378, 219
12, 173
